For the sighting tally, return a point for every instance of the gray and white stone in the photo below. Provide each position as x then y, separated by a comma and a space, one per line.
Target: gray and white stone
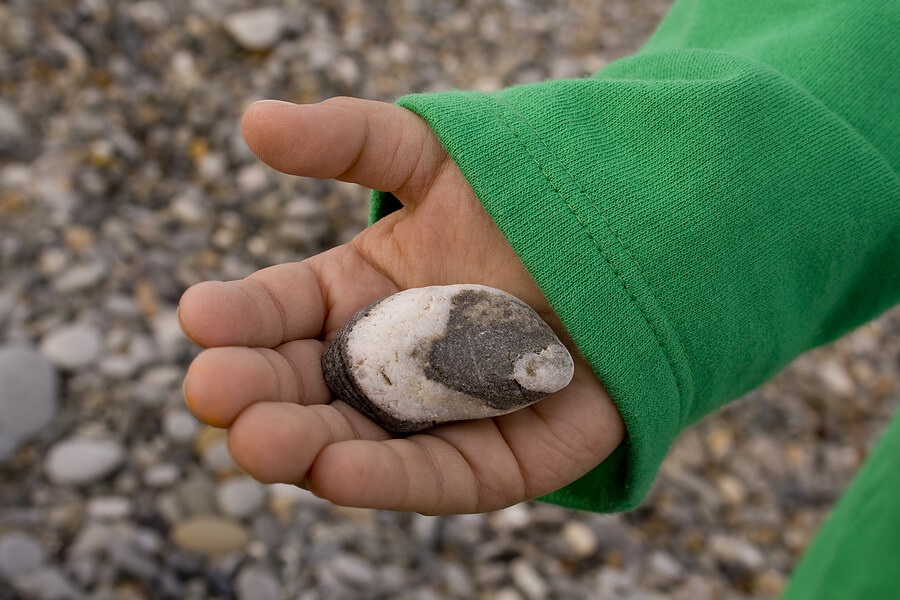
438, 354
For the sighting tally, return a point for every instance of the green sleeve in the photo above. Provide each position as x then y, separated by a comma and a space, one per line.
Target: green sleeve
702, 212
854, 555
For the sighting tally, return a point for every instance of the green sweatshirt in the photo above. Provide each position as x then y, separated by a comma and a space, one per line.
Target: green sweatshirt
702, 212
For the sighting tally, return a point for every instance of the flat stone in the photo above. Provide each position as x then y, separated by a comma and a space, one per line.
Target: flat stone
72, 346
210, 535
437, 354
258, 29
82, 460
28, 396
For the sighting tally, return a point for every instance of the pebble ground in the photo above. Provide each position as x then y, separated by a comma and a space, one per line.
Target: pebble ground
123, 179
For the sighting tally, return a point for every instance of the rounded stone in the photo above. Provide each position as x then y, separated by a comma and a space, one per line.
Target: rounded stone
257, 29
210, 535
72, 346
20, 553
257, 583
438, 354
82, 460
240, 497
28, 396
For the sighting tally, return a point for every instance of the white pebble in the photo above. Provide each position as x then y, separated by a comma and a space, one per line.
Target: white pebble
72, 346
82, 460
257, 29
240, 497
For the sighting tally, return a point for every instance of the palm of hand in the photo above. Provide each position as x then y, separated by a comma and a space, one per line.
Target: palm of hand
260, 375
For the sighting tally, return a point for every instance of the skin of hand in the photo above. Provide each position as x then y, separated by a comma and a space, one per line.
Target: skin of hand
260, 375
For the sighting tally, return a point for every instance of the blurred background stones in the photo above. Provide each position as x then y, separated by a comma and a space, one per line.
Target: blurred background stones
124, 179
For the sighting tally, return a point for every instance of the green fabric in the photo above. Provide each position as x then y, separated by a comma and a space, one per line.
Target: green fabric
857, 551
702, 212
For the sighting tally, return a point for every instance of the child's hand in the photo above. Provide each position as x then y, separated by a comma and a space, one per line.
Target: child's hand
260, 375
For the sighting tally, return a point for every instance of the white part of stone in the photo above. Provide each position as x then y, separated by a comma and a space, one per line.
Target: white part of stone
386, 357
546, 371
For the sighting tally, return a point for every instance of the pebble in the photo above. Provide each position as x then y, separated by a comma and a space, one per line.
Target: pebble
48, 583
528, 580
28, 396
180, 425
20, 554
256, 29
72, 347
82, 460
257, 583
80, 278
109, 508
210, 535
240, 497
430, 355
580, 538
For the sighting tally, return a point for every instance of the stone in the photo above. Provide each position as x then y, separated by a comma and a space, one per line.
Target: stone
82, 460
109, 508
257, 583
437, 354
210, 535
47, 582
180, 426
240, 497
580, 539
72, 346
80, 277
258, 29
28, 396
20, 553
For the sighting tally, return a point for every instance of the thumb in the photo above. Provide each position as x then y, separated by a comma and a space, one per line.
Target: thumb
375, 144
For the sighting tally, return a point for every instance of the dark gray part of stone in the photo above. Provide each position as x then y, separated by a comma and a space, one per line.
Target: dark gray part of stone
486, 334
340, 380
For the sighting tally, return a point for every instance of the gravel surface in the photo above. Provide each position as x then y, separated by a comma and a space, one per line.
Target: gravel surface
123, 179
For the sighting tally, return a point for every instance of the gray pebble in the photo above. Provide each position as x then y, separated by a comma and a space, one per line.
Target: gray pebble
48, 583
161, 475
28, 396
20, 554
72, 346
12, 126
436, 354
180, 426
82, 460
109, 508
240, 497
257, 583
80, 277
